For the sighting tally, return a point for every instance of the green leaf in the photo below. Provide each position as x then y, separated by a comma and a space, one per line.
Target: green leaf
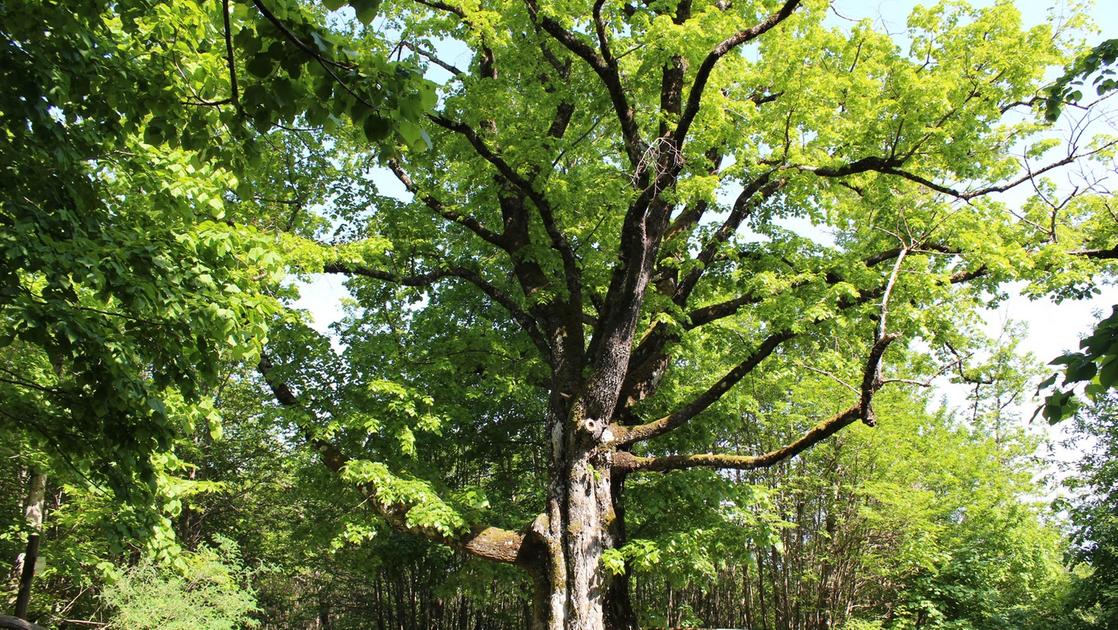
366, 9
261, 65
376, 128
157, 406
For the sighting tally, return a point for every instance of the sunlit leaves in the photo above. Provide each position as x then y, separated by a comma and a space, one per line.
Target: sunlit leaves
1096, 365
425, 508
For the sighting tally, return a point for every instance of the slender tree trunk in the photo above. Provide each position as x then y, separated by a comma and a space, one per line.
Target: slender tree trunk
380, 603
761, 588
324, 612
33, 515
827, 589
748, 598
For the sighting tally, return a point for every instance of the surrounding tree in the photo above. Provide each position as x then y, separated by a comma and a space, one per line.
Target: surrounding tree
209, 593
1094, 598
146, 166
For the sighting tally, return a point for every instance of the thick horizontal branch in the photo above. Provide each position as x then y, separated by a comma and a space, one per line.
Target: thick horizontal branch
821, 431
442, 6
454, 70
712, 312
487, 62
490, 543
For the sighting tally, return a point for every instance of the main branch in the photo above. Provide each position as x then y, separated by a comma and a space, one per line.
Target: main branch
821, 431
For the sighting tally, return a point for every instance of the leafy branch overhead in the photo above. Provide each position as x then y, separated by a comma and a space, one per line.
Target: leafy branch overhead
144, 180
1095, 367
1097, 63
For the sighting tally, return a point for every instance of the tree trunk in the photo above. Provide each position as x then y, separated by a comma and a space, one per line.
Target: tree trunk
571, 591
567, 542
619, 606
33, 515
324, 612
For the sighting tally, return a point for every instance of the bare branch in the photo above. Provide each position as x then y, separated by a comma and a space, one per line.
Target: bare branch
1097, 254
527, 323
430, 56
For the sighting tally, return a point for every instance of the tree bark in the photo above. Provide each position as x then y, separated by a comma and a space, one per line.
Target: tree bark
619, 613
564, 546
33, 515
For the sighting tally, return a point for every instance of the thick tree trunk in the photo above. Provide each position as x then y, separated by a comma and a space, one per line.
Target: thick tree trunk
570, 590
569, 539
588, 516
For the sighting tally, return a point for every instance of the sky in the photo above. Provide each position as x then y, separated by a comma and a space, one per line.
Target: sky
1051, 328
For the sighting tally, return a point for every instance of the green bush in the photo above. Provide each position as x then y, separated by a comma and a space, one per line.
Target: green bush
206, 589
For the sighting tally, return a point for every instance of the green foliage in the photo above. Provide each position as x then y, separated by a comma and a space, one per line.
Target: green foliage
1100, 60
133, 261
207, 589
166, 164
1094, 595
928, 520
1096, 365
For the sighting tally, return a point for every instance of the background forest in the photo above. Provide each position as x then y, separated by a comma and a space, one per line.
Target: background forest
655, 314
933, 520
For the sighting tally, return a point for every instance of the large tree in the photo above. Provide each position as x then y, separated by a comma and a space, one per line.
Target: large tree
593, 262
596, 253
